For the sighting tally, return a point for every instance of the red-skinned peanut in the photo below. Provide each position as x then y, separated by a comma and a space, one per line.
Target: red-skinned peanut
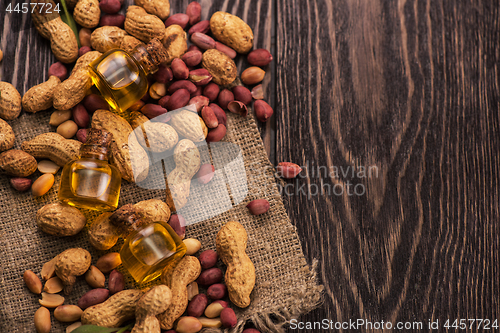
219, 113
228, 318
179, 19
202, 26
203, 41
81, 135
94, 102
192, 58
164, 74
242, 94
179, 69
204, 176
259, 57
197, 305
288, 170
152, 110
83, 50
225, 97
178, 99
209, 117
163, 101
193, 10
211, 91
208, 258
114, 20
216, 134
210, 276
199, 102
200, 77
178, 223
198, 92
58, 69
263, 111
193, 48
226, 49
80, 116
110, 6
182, 84
116, 282
217, 291
258, 206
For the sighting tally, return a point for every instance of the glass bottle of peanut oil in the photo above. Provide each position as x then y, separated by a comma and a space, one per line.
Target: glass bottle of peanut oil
90, 182
121, 77
148, 248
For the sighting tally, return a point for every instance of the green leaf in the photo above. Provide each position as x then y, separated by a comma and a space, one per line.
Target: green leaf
99, 329
125, 328
68, 19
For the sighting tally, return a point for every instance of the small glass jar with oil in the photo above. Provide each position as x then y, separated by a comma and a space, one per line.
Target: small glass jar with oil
90, 182
121, 77
148, 248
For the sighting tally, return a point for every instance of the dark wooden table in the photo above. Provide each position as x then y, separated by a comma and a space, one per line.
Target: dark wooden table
405, 94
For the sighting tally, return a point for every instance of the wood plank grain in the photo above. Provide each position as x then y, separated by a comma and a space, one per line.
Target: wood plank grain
411, 88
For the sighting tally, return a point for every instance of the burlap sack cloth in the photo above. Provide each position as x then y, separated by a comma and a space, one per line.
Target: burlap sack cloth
285, 285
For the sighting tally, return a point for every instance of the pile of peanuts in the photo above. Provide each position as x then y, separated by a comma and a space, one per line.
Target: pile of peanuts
182, 83
185, 83
207, 309
51, 299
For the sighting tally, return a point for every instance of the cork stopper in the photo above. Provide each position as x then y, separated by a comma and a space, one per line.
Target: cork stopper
157, 51
150, 56
99, 137
97, 144
127, 220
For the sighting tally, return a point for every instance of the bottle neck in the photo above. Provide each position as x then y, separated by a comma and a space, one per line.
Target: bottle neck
144, 59
94, 152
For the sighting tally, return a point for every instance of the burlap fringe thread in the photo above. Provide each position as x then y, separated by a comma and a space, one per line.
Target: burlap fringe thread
296, 290
273, 322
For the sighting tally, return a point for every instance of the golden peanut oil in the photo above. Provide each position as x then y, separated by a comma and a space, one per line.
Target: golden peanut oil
120, 78
147, 251
90, 183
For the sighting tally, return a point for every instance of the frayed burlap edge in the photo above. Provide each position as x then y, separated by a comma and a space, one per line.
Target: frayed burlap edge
275, 320
286, 285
